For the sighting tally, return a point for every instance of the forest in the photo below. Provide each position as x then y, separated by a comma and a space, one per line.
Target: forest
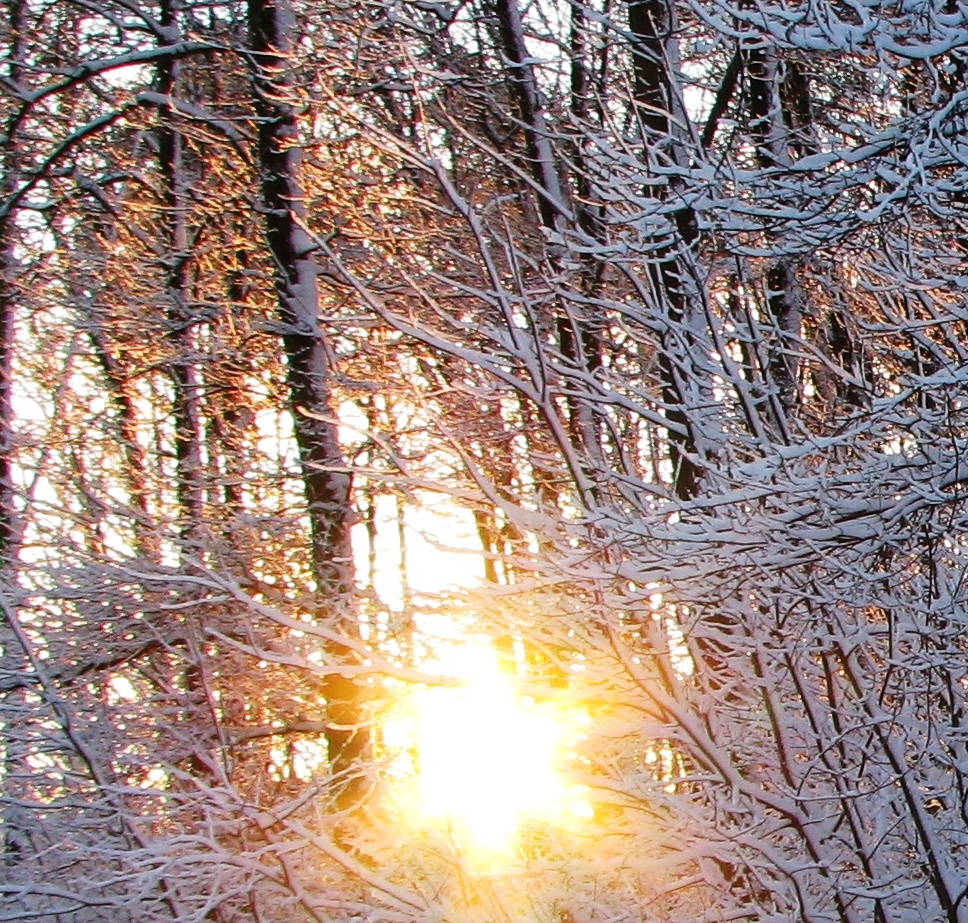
483, 461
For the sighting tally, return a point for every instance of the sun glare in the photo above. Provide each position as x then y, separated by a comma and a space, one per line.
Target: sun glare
483, 758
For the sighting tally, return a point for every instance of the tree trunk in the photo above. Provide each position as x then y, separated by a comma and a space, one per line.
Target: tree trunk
326, 478
13, 703
184, 373
653, 30
578, 341
784, 299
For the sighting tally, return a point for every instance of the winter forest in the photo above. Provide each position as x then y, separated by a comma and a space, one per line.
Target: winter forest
484, 461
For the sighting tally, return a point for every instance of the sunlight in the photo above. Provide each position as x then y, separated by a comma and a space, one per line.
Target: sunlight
483, 758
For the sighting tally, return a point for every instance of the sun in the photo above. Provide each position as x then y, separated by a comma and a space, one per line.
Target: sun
483, 759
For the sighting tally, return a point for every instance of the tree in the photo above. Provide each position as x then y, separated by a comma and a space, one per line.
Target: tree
664, 303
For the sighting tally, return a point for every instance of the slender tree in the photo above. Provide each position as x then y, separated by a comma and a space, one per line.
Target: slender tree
310, 375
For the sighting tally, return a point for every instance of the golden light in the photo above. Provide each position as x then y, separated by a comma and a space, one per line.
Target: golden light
483, 758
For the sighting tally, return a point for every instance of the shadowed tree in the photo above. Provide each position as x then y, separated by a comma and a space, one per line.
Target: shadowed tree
310, 375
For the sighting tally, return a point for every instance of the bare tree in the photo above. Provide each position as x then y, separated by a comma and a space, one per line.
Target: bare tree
309, 358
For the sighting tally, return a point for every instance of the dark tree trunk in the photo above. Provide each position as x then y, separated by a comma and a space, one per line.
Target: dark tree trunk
578, 340
780, 121
9, 165
183, 369
783, 296
326, 478
653, 29
14, 824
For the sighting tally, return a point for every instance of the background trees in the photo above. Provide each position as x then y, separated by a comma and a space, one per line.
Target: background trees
659, 307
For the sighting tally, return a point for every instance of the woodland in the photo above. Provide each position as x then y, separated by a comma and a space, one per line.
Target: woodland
624, 341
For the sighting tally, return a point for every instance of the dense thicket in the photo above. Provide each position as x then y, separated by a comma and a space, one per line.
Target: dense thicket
660, 305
